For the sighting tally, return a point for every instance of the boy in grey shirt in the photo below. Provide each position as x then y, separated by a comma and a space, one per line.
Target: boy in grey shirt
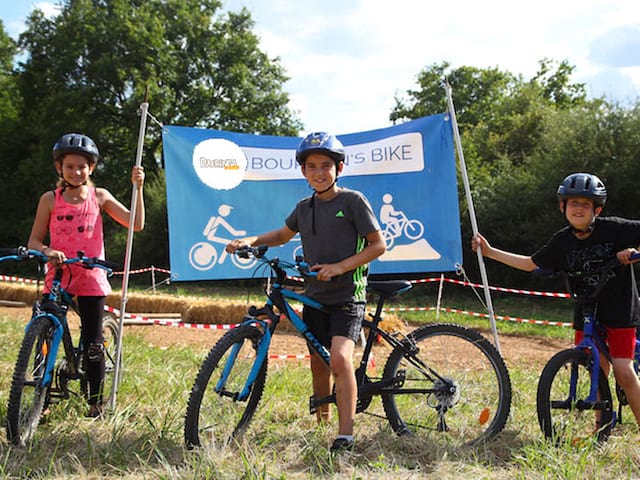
340, 236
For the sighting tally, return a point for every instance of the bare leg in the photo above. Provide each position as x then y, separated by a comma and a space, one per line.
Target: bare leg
321, 378
628, 380
345, 379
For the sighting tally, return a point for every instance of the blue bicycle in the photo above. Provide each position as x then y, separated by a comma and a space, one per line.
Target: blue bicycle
574, 400
40, 377
441, 379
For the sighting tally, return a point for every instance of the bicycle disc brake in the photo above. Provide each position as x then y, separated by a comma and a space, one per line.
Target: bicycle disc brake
61, 383
446, 395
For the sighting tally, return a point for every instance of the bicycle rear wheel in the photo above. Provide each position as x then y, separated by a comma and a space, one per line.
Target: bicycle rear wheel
110, 335
454, 383
27, 396
215, 416
569, 420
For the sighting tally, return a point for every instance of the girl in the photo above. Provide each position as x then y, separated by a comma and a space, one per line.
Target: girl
71, 215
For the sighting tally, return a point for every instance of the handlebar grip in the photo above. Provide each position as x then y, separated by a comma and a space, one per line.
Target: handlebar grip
304, 268
247, 252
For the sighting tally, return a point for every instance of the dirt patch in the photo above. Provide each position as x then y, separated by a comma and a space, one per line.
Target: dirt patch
516, 350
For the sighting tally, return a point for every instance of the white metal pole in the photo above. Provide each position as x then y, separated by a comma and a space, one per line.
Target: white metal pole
439, 301
472, 213
144, 107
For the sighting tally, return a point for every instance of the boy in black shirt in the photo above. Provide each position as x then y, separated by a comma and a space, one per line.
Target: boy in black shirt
585, 243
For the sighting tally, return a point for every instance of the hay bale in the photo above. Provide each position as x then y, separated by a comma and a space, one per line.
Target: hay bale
210, 312
392, 323
19, 292
192, 309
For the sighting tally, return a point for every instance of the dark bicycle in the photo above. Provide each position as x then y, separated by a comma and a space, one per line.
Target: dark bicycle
574, 399
441, 378
41, 376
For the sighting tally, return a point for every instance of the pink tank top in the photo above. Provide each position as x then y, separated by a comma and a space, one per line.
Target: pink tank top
74, 228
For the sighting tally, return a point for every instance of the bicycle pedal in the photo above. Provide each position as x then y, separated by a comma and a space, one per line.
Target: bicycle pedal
313, 406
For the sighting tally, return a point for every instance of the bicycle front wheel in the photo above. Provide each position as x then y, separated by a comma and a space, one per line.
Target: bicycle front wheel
453, 382
567, 418
27, 396
216, 415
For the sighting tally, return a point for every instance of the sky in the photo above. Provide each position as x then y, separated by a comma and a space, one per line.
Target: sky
349, 59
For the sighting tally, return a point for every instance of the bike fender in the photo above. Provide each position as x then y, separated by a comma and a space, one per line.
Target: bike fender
55, 320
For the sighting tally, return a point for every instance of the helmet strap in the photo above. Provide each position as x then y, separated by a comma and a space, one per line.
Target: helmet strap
583, 232
578, 231
69, 186
312, 205
325, 190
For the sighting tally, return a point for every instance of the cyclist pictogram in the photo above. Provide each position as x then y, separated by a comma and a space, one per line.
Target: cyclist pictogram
396, 224
204, 255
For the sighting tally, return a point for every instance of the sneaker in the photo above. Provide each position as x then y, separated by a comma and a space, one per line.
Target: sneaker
341, 445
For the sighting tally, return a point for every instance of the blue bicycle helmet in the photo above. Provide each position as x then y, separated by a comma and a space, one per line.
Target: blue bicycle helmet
320, 142
584, 185
76, 143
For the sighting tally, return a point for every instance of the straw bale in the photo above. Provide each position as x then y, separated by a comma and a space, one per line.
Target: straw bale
192, 309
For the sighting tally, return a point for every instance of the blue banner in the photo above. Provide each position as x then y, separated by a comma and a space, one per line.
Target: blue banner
224, 185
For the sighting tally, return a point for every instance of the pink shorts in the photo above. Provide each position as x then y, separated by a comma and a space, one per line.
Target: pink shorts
621, 341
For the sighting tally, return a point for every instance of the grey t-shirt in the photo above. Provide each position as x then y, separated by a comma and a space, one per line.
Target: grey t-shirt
341, 227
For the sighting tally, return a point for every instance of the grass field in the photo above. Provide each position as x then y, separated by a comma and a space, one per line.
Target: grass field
143, 437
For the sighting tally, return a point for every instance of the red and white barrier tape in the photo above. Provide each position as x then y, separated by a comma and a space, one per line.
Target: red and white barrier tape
10, 278
143, 270
476, 314
172, 323
498, 289
198, 326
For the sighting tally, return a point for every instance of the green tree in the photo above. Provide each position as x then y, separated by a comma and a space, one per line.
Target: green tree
12, 149
87, 70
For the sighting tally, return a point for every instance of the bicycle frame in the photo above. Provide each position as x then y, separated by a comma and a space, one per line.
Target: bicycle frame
589, 342
62, 300
593, 344
278, 296
425, 383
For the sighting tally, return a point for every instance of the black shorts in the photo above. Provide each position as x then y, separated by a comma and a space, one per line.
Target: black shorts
342, 320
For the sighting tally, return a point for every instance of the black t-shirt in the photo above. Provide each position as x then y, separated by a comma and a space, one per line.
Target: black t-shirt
617, 304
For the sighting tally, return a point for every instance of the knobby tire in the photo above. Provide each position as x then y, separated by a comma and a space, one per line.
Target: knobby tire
470, 396
27, 397
216, 420
565, 422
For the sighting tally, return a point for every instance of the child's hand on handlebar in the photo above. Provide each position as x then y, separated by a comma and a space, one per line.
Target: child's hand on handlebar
55, 257
326, 272
234, 245
624, 256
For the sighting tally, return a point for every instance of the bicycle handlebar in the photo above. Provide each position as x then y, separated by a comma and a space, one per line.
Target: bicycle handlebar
23, 253
259, 252
604, 267
599, 276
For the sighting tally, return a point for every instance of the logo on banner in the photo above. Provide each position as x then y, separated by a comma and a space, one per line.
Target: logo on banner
219, 163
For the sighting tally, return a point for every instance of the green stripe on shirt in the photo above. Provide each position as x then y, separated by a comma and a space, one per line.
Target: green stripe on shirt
359, 274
